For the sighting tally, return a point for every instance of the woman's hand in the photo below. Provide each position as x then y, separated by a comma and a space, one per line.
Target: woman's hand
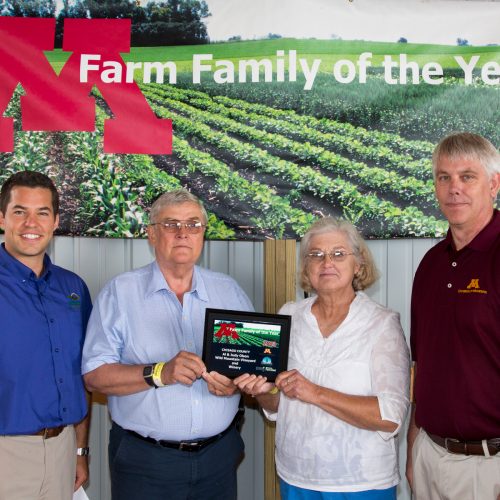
219, 385
253, 385
360, 411
259, 387
295, 386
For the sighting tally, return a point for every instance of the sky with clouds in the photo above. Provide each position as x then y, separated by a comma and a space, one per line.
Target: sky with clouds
420, 21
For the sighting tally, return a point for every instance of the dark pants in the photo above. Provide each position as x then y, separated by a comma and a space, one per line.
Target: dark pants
142, 470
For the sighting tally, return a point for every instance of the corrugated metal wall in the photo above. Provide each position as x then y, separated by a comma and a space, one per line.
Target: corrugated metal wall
98, 260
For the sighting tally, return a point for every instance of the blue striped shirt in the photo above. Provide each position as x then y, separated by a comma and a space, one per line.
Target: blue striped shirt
138, 319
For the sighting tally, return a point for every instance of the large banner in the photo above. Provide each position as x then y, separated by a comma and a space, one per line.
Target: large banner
273, 112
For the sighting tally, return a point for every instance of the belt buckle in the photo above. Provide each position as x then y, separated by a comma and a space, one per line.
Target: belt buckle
495, 443
187, 446
452, 440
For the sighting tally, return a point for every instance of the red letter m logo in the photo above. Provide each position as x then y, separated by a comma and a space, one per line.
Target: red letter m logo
62, 103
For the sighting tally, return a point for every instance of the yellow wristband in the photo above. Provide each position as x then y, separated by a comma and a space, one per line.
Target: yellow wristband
274, 390
157, 374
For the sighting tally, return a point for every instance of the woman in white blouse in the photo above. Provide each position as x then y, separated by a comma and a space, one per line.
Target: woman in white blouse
341, 405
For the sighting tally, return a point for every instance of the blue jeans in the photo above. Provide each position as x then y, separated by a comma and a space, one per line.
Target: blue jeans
142, 470
289, 492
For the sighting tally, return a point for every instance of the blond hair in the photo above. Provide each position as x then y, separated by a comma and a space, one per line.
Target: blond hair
175, 197
467, 145
367, 274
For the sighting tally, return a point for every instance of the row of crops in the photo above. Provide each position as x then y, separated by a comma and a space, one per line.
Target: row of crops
379, 181
243, 338
412, 111
262, 172
112, 191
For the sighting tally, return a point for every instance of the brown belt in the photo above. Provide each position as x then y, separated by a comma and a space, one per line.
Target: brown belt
466, 447
50, 432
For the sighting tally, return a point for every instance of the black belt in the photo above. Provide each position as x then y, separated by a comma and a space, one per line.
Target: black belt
466, 447
195, 445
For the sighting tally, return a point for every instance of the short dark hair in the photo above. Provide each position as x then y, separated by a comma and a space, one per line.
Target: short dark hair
31, 179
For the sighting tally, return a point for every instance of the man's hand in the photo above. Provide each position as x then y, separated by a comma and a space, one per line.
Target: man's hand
82, 471
411, 436
219, 385
184, 368
409, 471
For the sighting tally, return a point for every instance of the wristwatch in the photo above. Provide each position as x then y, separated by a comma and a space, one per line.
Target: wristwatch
83, 452
147, 373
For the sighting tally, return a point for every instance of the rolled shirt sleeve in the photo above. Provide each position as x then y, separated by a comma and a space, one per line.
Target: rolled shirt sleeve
104, 340
390, 371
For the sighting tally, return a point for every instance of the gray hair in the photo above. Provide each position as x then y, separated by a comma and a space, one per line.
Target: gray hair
470, 146
175, 197
367, 274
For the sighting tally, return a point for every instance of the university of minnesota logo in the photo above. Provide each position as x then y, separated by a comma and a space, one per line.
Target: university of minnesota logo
473, 287
474, 283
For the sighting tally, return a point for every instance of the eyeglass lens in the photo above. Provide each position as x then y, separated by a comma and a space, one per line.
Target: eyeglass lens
335, 255
173, 226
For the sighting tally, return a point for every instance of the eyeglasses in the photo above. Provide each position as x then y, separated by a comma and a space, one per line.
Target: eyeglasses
335, 255
174, 226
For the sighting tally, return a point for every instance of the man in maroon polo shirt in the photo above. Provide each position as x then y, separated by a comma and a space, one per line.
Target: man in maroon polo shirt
454, 433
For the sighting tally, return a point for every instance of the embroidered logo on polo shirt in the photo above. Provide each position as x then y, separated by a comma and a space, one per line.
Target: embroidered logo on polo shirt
74, 300
474, 283
473, 287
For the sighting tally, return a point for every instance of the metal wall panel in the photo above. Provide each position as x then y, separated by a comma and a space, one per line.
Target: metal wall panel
98, 260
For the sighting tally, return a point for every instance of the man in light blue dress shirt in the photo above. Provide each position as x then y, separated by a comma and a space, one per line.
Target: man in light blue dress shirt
173, 433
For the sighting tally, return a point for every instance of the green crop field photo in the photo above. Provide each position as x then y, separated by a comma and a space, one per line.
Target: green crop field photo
267, 156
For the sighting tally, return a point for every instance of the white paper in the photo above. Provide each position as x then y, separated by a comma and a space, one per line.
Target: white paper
80, 494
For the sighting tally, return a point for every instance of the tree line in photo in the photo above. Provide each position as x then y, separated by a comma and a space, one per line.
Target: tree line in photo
170, 22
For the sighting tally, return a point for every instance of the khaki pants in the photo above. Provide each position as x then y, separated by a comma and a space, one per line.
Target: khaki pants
35, 468
440, 475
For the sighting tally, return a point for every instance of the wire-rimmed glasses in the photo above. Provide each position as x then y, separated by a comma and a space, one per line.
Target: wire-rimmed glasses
174, 226
335, 255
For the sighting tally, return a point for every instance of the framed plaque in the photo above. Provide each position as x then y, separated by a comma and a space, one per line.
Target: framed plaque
237, 342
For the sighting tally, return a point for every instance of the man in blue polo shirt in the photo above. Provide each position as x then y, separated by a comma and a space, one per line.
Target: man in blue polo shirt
44, 309
454, 433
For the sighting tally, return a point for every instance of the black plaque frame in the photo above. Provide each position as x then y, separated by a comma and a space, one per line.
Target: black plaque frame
238, 349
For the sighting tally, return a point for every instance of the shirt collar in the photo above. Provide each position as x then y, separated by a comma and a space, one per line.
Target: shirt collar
20, 270
484, 239
158, 282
